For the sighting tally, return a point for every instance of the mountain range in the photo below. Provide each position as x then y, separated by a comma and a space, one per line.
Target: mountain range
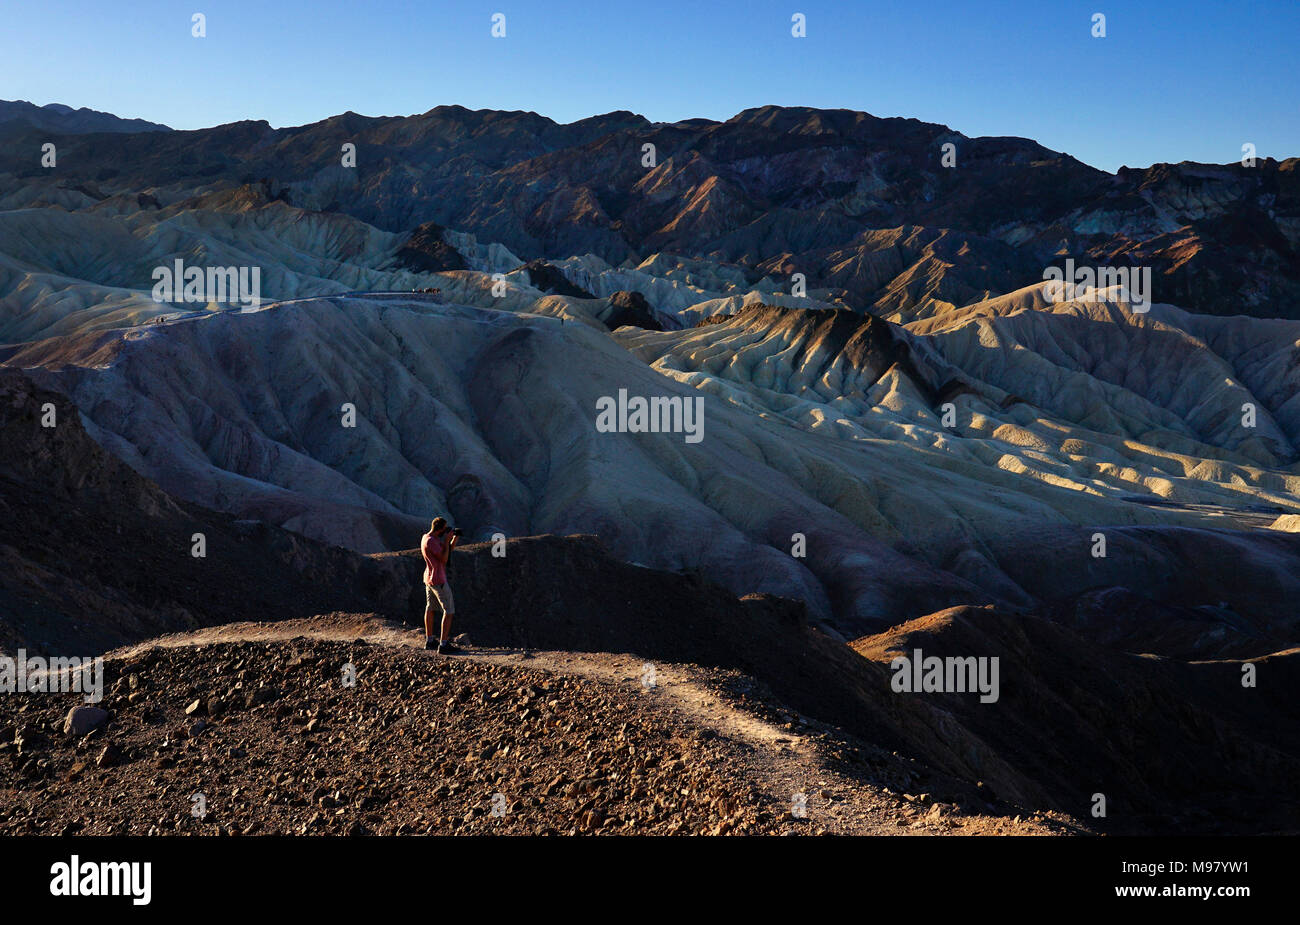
863, 207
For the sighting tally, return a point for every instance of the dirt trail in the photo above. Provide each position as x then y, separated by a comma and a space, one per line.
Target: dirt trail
782, 753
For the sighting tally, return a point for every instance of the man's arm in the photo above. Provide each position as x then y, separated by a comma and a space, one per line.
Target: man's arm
447, 548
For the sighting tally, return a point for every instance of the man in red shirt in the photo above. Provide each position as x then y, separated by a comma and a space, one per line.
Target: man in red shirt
436, 547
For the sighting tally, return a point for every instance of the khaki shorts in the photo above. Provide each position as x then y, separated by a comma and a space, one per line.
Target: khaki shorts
441, 593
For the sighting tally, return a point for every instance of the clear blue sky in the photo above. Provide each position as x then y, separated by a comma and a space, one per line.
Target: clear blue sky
1185, 80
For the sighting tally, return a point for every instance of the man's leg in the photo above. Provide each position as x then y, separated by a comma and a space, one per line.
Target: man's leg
448, 604
431, 600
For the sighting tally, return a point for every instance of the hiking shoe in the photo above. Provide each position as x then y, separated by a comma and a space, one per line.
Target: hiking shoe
448, 648
430, 642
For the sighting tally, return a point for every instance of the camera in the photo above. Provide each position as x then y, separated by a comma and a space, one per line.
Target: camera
456, 531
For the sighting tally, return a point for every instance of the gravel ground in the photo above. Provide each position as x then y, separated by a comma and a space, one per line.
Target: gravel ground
265, 736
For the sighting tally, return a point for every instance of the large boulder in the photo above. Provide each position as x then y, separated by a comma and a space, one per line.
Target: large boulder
84, 720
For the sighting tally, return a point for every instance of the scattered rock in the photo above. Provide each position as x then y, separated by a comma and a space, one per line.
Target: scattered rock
110, 756
83, 720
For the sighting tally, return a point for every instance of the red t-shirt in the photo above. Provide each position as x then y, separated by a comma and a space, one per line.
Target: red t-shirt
435, 570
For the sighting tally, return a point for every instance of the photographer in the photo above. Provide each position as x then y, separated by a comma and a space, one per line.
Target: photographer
436, 547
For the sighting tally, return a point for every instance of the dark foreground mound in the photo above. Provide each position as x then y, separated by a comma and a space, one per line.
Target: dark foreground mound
93, 555
1173, 746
